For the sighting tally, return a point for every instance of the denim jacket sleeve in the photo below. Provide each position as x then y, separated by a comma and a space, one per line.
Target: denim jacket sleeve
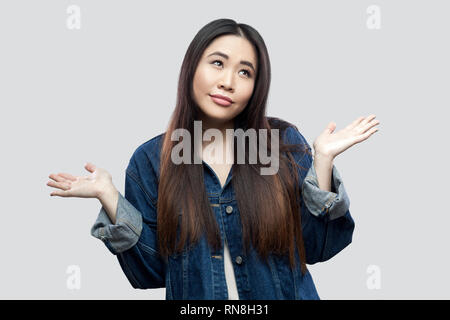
133, 239
122, 235
327, 225
319, 202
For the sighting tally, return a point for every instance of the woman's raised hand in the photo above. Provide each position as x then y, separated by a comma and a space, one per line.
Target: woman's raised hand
91, 186
329, 143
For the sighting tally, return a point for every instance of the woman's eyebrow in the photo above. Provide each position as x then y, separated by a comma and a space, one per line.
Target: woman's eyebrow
244, 62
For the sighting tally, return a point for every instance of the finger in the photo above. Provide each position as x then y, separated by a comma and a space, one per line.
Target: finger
367, 120
366, 135
371, 132
59, 185
68, 176
369, 125
60, 193
90, 167
330, 127
355, 123
56, 177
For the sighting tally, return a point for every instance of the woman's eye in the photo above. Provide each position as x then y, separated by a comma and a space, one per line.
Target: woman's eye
248, 72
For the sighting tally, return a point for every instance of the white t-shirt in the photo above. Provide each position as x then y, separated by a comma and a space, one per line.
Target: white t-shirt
229, 275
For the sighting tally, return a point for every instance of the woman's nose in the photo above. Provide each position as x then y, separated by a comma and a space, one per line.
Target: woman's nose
227, 81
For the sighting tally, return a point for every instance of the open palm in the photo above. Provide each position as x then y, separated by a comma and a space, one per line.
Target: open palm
331, 144
81, 186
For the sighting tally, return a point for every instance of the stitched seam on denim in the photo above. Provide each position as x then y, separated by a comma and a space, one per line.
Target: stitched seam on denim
301, 161
295, 136
296, 295
137, 181
302, 142
276, 279
212, 278
225, 241
329, 201
295, 274
303, 210
110, 242
303, 192
326, 206
132, 174
150, 152
148, 249
185, 267
130, 225
169, 285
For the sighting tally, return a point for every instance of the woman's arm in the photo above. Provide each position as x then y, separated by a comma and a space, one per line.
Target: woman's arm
133, 238
323, 167
327, 226
109, 198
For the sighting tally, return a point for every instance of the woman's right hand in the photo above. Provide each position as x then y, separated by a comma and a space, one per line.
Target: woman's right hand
91, 186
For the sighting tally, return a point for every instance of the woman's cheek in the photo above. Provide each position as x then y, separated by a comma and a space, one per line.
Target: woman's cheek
248, 92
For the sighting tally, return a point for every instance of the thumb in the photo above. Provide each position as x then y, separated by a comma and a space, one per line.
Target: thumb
330, 127
90, 167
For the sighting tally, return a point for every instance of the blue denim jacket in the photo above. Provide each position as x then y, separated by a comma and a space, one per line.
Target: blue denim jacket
199, 272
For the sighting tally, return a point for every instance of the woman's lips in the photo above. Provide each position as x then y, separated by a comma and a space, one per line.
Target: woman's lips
221, 102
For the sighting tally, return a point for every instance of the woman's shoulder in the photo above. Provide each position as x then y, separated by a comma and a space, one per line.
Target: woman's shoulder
288, 131
278, 123
147, 155
152, 145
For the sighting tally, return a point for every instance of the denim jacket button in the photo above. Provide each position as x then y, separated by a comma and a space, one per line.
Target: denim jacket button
238, 260
229, 209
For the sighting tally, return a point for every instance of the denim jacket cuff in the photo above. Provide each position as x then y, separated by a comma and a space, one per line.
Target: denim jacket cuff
122, 235
320, 202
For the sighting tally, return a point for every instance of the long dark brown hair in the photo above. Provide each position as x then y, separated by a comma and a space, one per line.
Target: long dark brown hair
268, 204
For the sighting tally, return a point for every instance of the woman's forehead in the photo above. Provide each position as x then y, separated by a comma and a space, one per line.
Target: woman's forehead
233, 47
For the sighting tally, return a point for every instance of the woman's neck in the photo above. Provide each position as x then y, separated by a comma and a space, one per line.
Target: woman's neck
223, 143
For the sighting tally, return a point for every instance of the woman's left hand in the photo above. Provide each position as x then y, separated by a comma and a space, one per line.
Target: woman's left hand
329, 144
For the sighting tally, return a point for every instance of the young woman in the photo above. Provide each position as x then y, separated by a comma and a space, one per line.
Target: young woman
218, 230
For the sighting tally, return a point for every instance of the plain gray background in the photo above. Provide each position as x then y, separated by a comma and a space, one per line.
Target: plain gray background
97, 93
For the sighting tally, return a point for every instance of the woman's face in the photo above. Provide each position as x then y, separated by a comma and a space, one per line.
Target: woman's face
227, 67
